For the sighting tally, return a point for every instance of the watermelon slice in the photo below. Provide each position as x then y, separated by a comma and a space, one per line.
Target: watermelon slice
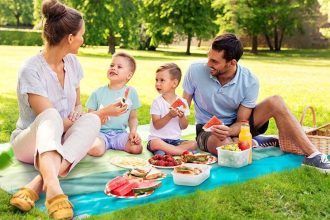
125, 95
125, 189
115, 183
146, 187
213, 121
179, 104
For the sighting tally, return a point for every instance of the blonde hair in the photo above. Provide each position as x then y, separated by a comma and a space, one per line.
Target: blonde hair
130, 59
173, 69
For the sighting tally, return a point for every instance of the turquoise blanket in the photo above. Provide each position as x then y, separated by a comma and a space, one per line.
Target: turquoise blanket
98, 202
86, 183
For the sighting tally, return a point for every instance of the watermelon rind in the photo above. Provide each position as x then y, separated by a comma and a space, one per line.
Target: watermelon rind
151, 187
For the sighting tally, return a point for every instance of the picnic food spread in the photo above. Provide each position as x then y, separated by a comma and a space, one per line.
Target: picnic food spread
164, 161
191, 174
213, 121
187, 170
199, 158
147, 173
128, 162
123, 187
231, 155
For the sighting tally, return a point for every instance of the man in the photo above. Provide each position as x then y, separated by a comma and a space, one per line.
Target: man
223, 88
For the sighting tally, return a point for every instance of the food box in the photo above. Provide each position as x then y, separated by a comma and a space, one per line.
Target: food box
191, 179
234, 159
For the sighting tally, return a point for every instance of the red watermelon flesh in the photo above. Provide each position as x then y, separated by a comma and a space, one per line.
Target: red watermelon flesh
115, 183
125, 189
213, 121
178, 103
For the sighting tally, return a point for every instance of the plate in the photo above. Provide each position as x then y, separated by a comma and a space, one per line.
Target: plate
165, 167
129, 162
135, 177
130, 197
211, 160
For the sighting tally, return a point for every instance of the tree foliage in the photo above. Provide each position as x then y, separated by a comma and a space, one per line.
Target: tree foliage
189, 18
273, 19
109, 20
16, 12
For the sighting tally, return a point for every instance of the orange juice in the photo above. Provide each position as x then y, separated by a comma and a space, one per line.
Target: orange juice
245, 139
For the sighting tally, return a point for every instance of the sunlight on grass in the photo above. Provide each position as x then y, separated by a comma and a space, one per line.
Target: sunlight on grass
301, 77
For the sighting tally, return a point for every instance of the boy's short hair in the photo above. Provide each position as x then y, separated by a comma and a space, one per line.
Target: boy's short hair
130, 59
173, 69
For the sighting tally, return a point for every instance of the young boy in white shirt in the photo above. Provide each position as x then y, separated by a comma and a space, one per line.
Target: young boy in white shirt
166, 121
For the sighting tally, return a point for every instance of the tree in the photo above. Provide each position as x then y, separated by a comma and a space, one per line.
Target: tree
190, 18
16, 12
37, 14
271, 18
109, 20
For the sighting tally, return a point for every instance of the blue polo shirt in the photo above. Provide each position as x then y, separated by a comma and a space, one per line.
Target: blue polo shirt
211, 98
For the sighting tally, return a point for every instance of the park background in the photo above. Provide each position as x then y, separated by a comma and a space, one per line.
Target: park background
286, 46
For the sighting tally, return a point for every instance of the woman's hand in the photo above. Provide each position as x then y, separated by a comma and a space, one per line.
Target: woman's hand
76, 113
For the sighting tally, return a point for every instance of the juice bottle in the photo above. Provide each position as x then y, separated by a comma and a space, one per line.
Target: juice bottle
245, 139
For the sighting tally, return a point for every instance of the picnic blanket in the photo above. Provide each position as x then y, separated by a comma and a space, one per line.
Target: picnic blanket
85, 184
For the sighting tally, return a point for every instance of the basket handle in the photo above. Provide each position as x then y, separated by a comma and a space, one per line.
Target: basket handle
304, 114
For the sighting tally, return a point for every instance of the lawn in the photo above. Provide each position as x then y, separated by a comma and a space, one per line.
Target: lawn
301, 77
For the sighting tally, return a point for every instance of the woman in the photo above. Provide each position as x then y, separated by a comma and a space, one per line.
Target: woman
52, 132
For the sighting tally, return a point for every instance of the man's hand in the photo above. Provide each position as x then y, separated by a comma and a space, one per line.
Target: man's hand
220, 131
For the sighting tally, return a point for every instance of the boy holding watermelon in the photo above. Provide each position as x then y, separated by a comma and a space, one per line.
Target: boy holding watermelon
223, 88
113, 133
168, 114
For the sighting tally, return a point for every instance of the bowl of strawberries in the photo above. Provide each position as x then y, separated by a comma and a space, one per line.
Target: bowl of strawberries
164, 161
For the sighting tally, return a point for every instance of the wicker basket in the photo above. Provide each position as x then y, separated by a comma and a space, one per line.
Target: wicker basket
320, 137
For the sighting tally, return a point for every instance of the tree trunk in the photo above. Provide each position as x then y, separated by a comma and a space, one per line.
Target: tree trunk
281, 38
254, 44
199, 42
276, 39
271, 48
188, 44
17, 20
112, 43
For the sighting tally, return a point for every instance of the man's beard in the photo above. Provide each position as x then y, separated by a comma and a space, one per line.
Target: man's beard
217, 73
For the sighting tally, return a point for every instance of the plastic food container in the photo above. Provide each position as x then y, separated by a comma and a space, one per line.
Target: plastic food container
234, 159
190, 179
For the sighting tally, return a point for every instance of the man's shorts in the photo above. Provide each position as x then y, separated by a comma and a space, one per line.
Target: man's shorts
203, 136
115, 140
168, 141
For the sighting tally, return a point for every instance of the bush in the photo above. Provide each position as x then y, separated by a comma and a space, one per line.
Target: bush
20, 37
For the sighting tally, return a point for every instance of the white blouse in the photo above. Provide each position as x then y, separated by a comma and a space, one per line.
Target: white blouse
38, 78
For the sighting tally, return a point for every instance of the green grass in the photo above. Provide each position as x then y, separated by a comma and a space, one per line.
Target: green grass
301, 77
297, 194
